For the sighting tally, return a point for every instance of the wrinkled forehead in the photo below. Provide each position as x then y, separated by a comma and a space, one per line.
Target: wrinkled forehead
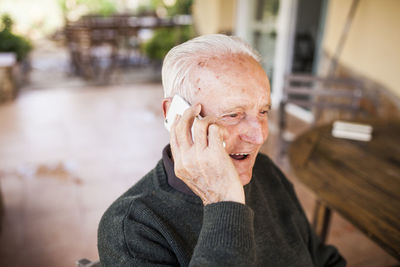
231, 77
228, 70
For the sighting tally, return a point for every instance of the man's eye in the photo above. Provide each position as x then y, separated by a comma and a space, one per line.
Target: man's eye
265, 112
232, 118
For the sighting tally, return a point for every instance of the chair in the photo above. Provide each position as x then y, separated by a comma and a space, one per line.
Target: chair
93, 45
326, 98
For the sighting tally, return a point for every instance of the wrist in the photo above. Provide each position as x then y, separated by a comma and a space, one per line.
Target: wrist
236, 197
232, 195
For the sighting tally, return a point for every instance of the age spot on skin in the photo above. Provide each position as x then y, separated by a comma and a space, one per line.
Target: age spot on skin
201, 64
198, 89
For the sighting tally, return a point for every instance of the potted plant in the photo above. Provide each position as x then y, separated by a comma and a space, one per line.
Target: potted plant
12, 46
10, 42
164, 39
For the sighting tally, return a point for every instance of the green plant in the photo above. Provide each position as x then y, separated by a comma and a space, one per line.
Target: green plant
10, 42
180, 7
164, 39
93, 7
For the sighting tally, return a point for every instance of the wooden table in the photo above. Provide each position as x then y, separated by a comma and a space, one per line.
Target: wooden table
359, 180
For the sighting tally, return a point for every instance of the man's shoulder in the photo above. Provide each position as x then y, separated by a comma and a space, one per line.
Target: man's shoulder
137, 195
132, 220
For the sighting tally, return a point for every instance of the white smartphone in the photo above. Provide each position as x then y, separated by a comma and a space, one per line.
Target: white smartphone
177, 107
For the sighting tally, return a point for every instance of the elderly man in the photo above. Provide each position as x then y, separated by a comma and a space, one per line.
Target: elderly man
213, 200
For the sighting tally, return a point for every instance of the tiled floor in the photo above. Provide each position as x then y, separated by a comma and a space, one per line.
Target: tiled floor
68, 149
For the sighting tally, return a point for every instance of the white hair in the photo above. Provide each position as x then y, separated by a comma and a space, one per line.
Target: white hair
181, 59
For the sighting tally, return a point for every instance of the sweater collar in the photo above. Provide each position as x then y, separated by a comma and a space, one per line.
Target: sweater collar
173, 181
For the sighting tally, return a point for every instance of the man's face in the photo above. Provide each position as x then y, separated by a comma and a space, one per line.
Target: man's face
236, 90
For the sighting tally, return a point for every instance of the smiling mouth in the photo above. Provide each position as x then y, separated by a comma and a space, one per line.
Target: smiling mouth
239, 156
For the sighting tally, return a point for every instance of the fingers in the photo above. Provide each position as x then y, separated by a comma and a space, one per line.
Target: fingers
183, 128
181, 131
200, 131
215, 138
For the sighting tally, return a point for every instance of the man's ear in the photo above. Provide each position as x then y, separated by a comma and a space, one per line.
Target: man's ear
166, 102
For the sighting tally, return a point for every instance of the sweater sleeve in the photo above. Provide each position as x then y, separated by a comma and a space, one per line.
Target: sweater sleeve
126, 237
226, 237
132, 236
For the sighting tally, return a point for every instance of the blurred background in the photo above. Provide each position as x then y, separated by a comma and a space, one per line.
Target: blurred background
80, 102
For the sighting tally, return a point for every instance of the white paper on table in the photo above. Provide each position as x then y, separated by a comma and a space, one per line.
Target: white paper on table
353, 131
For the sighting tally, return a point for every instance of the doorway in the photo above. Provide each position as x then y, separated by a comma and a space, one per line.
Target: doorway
307, 36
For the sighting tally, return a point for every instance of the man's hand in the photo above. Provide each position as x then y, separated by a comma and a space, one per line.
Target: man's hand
203, 164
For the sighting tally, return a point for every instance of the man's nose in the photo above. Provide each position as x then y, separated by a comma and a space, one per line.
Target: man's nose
253, 132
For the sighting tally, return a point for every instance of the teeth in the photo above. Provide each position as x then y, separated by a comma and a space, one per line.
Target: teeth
239, 154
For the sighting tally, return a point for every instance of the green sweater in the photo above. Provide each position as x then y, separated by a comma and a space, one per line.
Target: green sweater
153, 224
